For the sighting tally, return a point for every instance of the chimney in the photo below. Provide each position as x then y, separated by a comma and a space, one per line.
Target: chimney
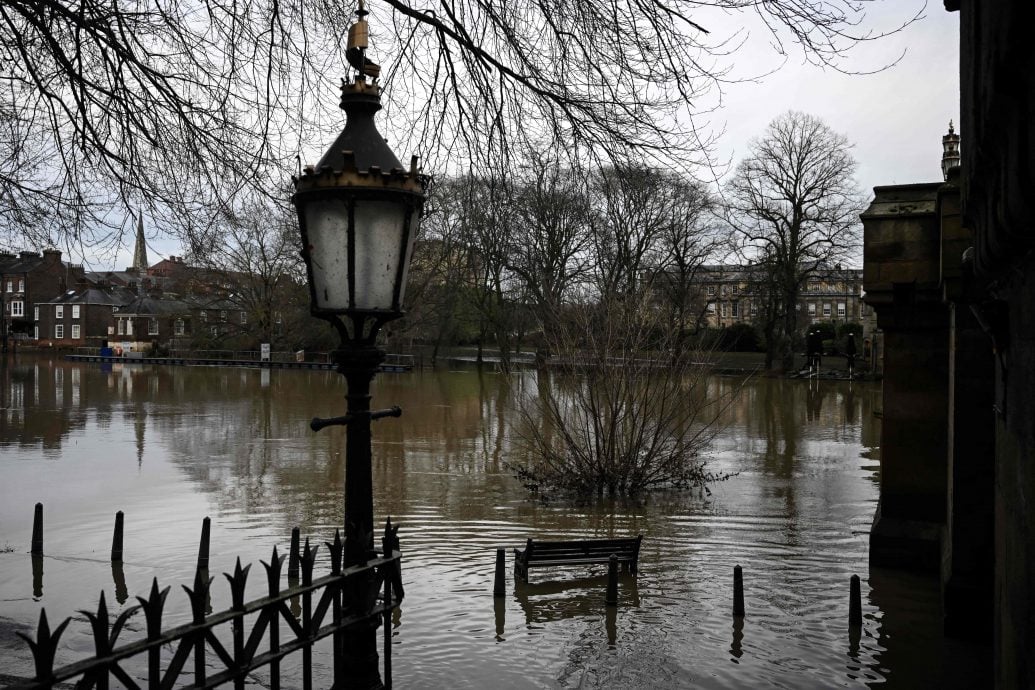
52, 256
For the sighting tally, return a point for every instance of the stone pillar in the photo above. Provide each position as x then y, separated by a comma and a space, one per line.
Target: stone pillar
901, 278
968, 558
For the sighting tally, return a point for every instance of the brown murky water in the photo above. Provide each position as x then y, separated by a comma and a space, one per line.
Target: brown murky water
169, 446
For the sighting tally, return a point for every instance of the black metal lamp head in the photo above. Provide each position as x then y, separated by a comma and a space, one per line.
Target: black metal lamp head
359, 212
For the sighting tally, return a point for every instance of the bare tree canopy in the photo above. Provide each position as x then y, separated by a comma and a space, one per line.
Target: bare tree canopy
179, 106
795, 204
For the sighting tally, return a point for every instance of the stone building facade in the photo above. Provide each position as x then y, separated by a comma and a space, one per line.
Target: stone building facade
27, 280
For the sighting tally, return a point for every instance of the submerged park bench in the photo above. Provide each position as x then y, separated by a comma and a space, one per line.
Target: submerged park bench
541, 554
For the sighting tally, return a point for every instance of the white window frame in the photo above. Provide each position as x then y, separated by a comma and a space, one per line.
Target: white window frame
59, 311
826, 310
120, 326
10, 286
59, 331
75, 331
152, 326
812, 310
735, 309
179, 327
35, 332
711, 289
75, 311
244, 317
18, 308
21, 285
129, 326
222, 315
842, 310
36, 314
215, 331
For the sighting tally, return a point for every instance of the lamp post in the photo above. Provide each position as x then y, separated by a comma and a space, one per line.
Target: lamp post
358, 213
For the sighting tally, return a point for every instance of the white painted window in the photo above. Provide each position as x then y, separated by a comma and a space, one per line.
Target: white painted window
826, 310
75, 331
222, 315
121, 324
129, 326
244, 317
841, 309
215, 331
735, 309
59, 312
711, 307
35, 332
711, 289
17, 308
75, 311
36, 313
152, 327
59, 331
21, 286
204, 315
179, 327
812, 310
10, 286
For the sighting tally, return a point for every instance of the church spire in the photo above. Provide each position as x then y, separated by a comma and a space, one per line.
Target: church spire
140, 250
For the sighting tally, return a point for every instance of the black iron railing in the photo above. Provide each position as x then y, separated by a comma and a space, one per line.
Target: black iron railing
261, 632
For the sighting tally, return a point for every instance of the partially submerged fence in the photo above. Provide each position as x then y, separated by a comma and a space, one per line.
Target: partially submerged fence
344, 601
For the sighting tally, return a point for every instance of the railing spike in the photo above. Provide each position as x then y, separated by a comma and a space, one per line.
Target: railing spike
44, 647
237, 583
273, 569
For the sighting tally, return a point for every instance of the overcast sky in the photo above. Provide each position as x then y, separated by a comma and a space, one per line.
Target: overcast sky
894, 117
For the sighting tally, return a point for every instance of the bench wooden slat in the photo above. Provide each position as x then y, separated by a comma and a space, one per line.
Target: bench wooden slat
576, 552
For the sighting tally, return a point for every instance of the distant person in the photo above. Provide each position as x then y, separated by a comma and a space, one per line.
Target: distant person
850, 355
814, 349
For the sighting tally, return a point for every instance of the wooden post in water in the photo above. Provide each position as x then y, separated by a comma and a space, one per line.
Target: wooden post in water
293, 556
37, 529
499, 587
855, 616
203, 547
116, 538
612, 581
738, 591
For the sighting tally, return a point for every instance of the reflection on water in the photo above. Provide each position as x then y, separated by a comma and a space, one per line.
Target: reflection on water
169, 446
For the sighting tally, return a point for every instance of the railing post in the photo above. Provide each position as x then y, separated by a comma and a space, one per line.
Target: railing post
738, 591
37, 529
499, 587
293, 555
203, 546
612, 581
116, 539
855, 616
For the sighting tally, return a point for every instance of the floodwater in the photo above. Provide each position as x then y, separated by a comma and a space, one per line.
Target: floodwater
171, 445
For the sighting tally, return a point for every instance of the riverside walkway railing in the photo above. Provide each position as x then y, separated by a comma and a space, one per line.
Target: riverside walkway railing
353, 598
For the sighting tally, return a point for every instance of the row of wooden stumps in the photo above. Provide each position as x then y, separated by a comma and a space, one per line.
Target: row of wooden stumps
855, 617
499, 588
117, 543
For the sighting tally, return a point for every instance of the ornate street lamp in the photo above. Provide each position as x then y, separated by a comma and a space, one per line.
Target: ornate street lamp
358, 212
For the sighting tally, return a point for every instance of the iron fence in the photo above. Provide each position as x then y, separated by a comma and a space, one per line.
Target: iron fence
345, 600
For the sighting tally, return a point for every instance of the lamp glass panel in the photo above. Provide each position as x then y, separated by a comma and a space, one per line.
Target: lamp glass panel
414, 228
379, 227
327, 229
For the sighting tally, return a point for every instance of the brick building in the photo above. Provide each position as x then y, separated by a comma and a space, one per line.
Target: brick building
80, 318
27, 280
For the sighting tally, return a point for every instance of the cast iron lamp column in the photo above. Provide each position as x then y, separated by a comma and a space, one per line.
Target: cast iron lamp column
358, 213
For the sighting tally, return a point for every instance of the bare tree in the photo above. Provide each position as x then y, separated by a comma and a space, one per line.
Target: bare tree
616, 413
255, 271
795, 204
181, 106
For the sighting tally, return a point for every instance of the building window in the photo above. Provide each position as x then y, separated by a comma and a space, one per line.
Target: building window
711, 289
722, 309
17, 308
114, 308
222, 315
754, 308
203, 315
215, 331
121, 326
152, 327
35, 332
826, 310
735, 309
841, 309
129, 326
75, 331
812, 311
36, 313
59, 331
179, 327
75, 311
10, 286
21, 286
244, 317
59, 312
733, 289
711, 307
